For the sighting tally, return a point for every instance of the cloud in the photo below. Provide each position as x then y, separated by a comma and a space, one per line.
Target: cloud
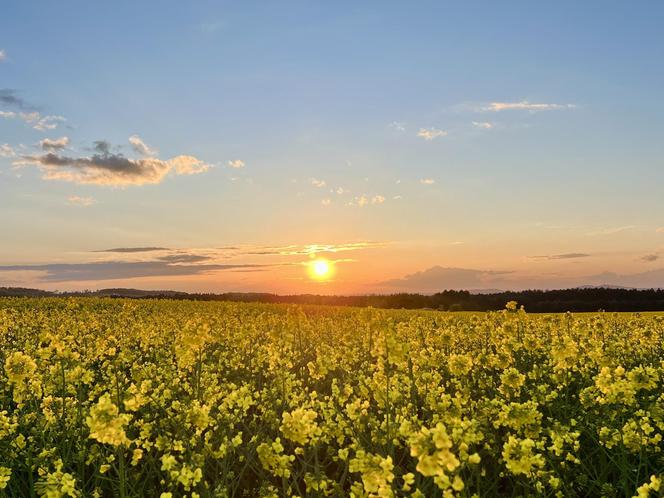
48, 122
3, 56
362, 200
188, 165
6, 150
306, 250
326, 202
610, 231
483, 125
649, 258
427, 181
26, 112
318, 183
431, 133
184, 258
54, 144
10, 98
659, 230
341, 191
524, 105
75, 200
439, 278
377, 199
140, 147
236, 164
648, 279
117, 270
395, 125
569, 255
134, 249
111, 169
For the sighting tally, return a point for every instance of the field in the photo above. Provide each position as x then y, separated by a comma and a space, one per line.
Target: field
102, 397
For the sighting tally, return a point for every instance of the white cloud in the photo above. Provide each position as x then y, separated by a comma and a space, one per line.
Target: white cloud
318, 183
377, 199
6, 151
483, 125
326, 202
188, 165
524, 105
236, 164
47, 122
397, 197
3, 55
362, 201
34, 119
341, 191
140, 147
75, 200
431, 133
395, 125
427, 181
51, 144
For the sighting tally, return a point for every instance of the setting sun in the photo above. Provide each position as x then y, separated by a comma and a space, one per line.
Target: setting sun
320, 269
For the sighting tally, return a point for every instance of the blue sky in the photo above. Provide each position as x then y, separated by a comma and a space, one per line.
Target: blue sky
478, 135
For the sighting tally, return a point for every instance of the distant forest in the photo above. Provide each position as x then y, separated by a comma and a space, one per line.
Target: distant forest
542, 301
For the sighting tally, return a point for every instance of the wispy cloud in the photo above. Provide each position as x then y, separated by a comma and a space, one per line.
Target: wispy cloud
659, 230
427, 181
45, 123
649, 258
568, 255
377, 199
318, 183
3, 56
610, 230
6, 150
26, 112
34, 119
236, 164
52, 144
134, 249
111, 169
326, 202
10, 98
395, 125
119, 270
431, 133
523, 105
140, 147
75, 200
305, 250
483, 125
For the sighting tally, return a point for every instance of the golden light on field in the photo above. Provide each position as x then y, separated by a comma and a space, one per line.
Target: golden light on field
320, 269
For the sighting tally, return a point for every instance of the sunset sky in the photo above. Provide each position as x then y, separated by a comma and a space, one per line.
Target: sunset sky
414, 146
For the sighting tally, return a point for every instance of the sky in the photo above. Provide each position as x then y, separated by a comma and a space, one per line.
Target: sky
411, 146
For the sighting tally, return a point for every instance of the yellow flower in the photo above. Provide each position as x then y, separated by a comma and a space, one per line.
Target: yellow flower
106, 424
19, 367
5, 476
300, 425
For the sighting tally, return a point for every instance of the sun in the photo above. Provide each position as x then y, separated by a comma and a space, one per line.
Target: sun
320, 269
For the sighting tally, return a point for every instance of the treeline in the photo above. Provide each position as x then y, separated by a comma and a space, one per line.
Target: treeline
580, 299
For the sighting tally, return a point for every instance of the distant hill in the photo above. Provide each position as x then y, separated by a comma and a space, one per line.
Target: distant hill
550, 301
